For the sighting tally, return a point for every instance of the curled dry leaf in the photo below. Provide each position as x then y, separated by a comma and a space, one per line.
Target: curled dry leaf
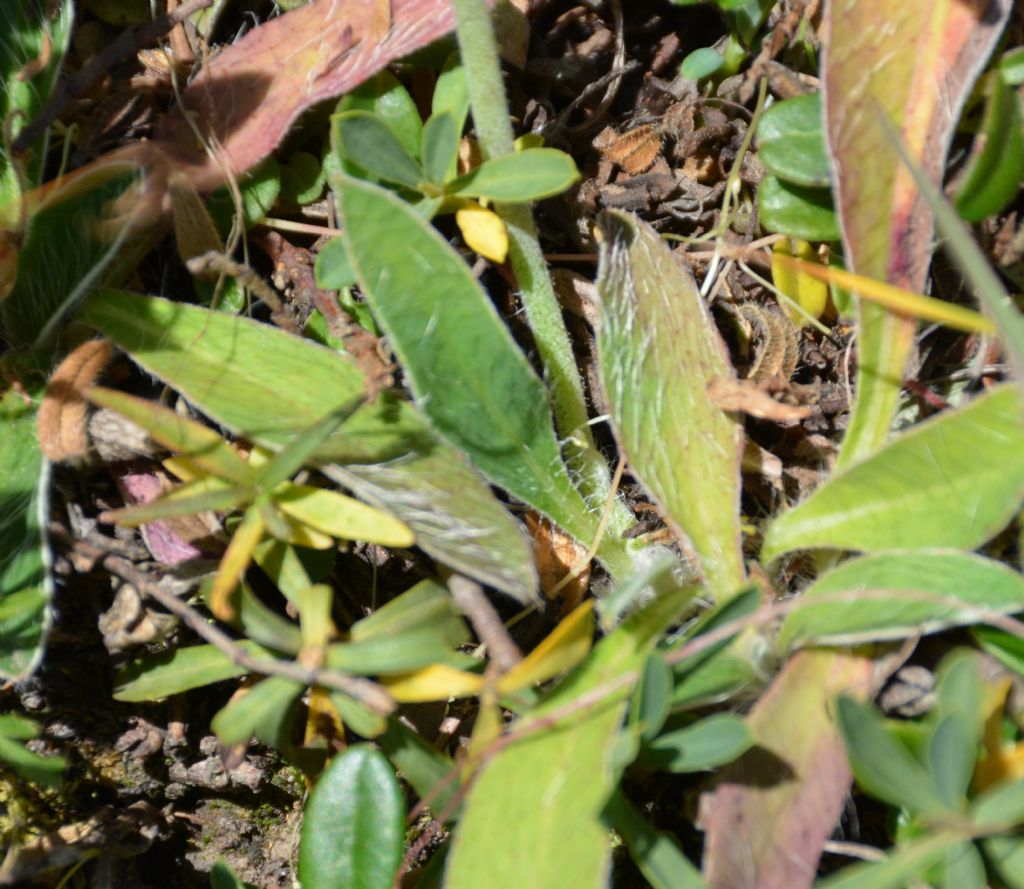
557, 555
62, 422
753, 399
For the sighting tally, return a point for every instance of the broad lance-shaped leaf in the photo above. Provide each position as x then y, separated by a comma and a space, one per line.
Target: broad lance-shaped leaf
261, 382
24, 587
461, 362
659, 350
533, 816
894, 595
953, 480
917, 70
774, 808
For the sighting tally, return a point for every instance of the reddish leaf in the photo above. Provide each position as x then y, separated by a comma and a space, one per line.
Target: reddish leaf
248, 96
917, 67
775, 807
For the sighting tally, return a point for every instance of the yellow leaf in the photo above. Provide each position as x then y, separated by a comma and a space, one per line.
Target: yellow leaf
235, 560
563, 648
1000, 762
332, 513
484, 231
895, 299
486, 729
314, 603
808, 293
434, 683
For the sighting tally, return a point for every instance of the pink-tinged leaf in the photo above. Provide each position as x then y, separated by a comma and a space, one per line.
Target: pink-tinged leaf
914, 63
163, 537
774, 808
248, 96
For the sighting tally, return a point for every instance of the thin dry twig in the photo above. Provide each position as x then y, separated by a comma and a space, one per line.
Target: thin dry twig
469, 596
129, 42
368, 693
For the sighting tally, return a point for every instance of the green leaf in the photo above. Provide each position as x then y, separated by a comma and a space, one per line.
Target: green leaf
994, 174
341, 516
356, 717
302, 179
264, 711
367, 141
910, 593
714, 680
654, 852
384, 96
954, 480
898, 871
241, 374
460, 359
33, 42
24, 586
527, 175
701, 63
222, 877
333, 269
430, 773
964, 868
354, 824
1011, 66
52, 280
259, 189
427, 604
883, 766
300, 450
264, 625
1005, 647
548, 830
791, 141
168, 673
412, 650
43, 770
1001, 806
952, 753
657, 357
796, 210
453, 513
1006, 857
181, 434
440, 147
652, 697
706, 744
451, 93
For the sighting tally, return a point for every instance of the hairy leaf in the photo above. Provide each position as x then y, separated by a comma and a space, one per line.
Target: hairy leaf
659, 350
916, 72
953, 480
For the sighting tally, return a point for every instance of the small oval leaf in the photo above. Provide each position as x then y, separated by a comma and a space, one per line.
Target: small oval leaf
796, 210
527, 175
791, 141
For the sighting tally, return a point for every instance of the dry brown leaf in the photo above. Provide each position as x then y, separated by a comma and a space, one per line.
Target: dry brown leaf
557, 555
634, 151
61, 425
748, 397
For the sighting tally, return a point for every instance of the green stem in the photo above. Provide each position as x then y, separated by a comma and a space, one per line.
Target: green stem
491, 118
